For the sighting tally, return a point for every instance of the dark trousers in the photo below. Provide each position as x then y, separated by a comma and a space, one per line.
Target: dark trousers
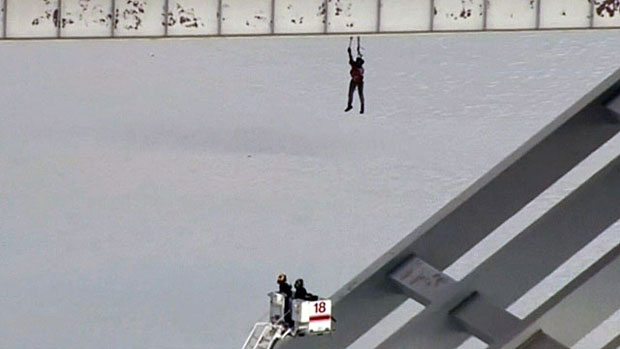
288, 317
360, 90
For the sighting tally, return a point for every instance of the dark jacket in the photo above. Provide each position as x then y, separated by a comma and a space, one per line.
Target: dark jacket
357, 69
301, 293
286, 290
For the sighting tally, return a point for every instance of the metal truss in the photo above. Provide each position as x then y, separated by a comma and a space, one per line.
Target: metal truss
475, 306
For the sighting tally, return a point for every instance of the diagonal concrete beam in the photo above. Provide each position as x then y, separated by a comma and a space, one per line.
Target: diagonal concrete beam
557, 316
578, 308
424, 283
521, 263
485, 320
614, 344
474, 214
614, 105
540, 340
420, 281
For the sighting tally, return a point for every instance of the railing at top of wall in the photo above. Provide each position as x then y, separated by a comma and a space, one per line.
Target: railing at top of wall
158, 18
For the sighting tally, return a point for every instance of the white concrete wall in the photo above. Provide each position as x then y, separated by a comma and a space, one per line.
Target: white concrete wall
352, 16
604, 14
246, 17
300, 16
513, 14
31, 18
140, 18
87, 18
405, 15
458, 15
2, 12
193, 17
565, 13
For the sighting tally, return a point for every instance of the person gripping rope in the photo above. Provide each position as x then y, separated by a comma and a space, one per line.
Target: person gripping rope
357, 77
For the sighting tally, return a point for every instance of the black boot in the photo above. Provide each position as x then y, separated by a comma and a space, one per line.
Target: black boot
362, 110
349, 107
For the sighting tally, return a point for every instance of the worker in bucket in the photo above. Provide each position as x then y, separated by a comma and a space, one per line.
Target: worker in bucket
301, 293
287, 291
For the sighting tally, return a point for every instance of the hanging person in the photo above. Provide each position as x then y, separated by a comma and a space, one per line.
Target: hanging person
357, 77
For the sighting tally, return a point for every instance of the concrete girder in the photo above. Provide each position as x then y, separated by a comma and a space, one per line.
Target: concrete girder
541, 340
425, 284
578, 308
614, 105
474, 214
485, 320
420, 281
522, 262
614, 344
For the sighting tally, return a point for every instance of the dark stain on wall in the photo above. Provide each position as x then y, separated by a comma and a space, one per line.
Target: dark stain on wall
258, 17
607, 7
88, 13
49, 14
465, 12
132, 14
531, 4
296, 19
344, 10
184, 17
322, 11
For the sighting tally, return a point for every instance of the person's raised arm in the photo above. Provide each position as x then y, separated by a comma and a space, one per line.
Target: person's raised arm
350, 56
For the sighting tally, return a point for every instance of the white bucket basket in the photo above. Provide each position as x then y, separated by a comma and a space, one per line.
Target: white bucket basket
313, 317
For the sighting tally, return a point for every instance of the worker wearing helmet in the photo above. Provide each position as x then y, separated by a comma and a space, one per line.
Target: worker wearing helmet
284, 287
287, 291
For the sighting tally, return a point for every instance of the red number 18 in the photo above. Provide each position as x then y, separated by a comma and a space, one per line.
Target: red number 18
319, 307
